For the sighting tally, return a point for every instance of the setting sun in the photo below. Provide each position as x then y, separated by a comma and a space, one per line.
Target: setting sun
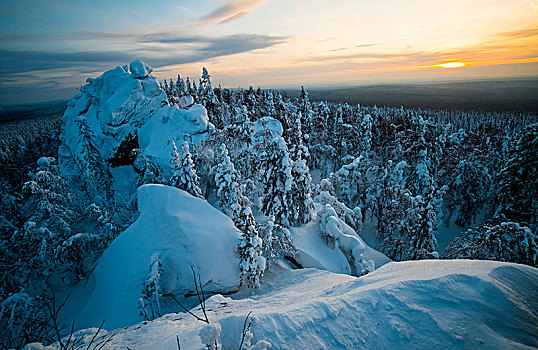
452, 65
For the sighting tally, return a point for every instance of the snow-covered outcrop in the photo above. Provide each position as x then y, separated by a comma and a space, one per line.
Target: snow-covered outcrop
112, 110
178, 230
113, 105
447, 304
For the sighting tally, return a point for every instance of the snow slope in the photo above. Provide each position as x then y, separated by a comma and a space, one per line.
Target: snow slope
441, 304
169, 228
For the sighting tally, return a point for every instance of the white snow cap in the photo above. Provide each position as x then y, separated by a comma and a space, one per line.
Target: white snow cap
185, 101
139, 69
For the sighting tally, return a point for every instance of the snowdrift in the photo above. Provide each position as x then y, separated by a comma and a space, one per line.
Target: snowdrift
443, 304
180, 231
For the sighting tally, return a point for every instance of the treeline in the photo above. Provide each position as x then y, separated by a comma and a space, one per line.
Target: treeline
408, 170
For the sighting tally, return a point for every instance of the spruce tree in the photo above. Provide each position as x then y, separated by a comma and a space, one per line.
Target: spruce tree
183, 173
517, 184
300, 193
235, 204
277, 194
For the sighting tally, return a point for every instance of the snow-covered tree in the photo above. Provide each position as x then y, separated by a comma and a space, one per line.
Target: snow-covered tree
183, 172
517, 184
277, 194
235, 204
506, 241
300, 193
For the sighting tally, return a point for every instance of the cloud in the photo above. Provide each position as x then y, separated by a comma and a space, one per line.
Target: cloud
177, 50
366, 45
230, 12
518, 34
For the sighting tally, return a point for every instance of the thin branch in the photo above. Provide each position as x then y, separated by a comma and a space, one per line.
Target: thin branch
95, 335
104, 343
178, 346
245, 330
184, 308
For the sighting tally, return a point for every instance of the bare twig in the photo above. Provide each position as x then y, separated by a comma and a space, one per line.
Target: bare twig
245, 329
95, 335
200, 299
178, 345
189, 311
102, 344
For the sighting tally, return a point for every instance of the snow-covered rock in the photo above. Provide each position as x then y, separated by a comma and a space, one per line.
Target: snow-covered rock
121, 103
447, 304
139, 69
172, 124
183, 232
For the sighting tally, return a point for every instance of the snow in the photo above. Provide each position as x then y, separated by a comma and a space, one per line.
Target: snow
170, 227
314, 251
172, 124
139, 69
119, 103
210, 333
436, 304
265, 130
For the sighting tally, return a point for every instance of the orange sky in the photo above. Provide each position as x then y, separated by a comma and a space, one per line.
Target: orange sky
47, 49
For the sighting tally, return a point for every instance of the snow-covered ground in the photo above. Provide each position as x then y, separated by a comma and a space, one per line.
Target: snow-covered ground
444, 304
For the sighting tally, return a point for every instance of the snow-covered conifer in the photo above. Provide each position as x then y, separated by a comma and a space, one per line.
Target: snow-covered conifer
235, 205
300, 193
277, 194
183, 173
505, 241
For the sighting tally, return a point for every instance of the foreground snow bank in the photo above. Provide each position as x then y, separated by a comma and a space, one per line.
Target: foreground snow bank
421, 304
179, 231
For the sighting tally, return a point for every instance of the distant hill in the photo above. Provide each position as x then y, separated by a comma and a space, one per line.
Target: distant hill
30, 111
517, 95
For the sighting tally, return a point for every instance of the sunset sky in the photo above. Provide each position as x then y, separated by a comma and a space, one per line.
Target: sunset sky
49, 47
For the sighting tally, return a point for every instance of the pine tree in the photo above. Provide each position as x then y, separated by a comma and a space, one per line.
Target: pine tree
183, 173
505, 241
95, 176
300, 193
235, 204
517, 184
277, 195
229, 194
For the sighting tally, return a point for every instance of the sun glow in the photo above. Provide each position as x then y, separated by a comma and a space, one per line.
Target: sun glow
451, 65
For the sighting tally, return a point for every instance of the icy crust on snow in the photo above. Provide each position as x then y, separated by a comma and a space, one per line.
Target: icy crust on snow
447, 304
123, 101
178, 229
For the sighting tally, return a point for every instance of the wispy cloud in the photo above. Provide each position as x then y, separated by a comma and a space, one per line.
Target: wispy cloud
230, 12
178, 50
523, 33
366, 45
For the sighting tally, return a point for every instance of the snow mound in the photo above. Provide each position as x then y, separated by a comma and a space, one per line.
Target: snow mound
178, 230
443, 304
329, 243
